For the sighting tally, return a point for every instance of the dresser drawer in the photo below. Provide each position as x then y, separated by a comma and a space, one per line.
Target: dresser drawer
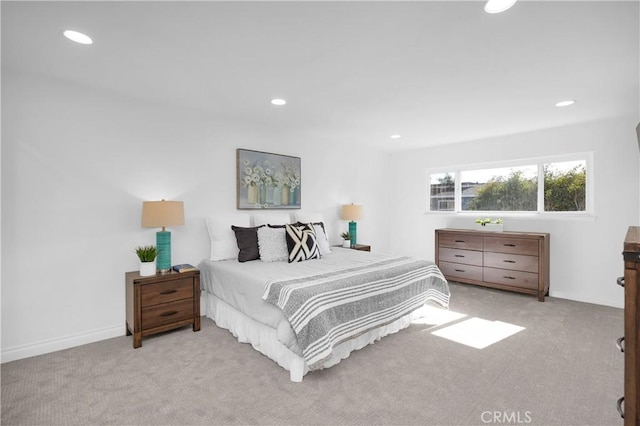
456, 270
467, 257
469, 242
154, 294
167, 313
513, 278
513, 261
516, 262
511, 245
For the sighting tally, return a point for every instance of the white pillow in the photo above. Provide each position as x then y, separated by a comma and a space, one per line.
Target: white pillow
309, 217
223, 241
271, 219
272, 244
322, 240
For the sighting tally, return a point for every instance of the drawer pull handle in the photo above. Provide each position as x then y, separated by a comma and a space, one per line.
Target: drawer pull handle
508, 277
168, 291
460, 241
619, 344
509, 245
168, 313
619, 407
459, 270
458, 255
509, 261
620, 281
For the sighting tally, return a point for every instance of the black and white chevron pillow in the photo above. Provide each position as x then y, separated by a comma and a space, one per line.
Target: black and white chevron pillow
301, 243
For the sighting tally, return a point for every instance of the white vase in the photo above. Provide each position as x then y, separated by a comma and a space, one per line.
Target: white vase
346, 243
147, 268
252, 194
490, 227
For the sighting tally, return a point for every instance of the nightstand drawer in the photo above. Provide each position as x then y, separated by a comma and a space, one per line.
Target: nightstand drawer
469, 242
456, 270
161, 302
167, 313
467, 257
512, 278
164, 292
511, 245
514, 262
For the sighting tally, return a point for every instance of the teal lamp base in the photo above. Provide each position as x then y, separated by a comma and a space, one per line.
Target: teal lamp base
352, 232
163, 242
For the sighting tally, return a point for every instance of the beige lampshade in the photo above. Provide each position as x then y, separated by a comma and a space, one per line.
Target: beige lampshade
158, 214
351, 212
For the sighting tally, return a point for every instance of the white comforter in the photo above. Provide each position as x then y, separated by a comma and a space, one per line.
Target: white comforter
241, 285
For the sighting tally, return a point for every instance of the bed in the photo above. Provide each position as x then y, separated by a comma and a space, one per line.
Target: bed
310, 315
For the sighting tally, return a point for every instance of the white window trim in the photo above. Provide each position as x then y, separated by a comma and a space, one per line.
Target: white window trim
588, 214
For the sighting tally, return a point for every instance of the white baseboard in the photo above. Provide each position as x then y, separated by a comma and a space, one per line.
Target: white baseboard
66, 342
605, 302
52, 345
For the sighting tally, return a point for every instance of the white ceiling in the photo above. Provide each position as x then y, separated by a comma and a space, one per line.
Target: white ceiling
354, 72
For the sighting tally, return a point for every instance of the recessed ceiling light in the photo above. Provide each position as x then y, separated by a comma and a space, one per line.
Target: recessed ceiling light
498, 6
396, 136
278, 102
78, 37
565, 103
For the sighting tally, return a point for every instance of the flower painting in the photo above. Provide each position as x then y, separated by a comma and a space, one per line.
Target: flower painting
267, 181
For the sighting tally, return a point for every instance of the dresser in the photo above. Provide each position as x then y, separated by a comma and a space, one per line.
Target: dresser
629, 405
161, 302
514, 261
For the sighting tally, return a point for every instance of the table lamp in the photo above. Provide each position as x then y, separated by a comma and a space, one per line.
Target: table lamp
352, 212
160, 214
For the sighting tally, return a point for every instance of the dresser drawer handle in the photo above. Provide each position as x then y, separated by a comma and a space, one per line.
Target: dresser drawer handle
509, 261
460, 241
458, 255
168, 291
168, 313
620, 281
459, 270
508, 277
619, 343
509, 245
619, 407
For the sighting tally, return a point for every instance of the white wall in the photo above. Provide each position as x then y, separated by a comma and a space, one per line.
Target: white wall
76, 166
585, 254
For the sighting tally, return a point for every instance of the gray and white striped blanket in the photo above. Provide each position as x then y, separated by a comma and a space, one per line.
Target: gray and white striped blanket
327, 309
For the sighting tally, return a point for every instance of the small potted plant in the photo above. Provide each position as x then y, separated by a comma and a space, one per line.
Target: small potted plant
488, 224
347, 239
147, 256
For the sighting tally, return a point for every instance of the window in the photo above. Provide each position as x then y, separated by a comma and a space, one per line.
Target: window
536, 186
565, 186
503, 189
442, 187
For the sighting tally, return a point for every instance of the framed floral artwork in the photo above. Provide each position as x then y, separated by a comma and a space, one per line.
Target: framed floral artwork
267, 181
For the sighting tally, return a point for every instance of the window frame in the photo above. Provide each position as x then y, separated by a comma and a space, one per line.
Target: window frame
455, 171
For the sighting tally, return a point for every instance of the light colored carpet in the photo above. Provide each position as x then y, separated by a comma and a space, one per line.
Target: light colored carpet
562, 369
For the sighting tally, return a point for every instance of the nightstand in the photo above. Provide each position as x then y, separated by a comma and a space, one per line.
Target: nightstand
361, 247
161, 302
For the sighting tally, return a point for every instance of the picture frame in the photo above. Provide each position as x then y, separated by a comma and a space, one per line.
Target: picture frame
267, 181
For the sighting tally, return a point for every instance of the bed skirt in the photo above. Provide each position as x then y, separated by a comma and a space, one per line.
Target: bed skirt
264, 338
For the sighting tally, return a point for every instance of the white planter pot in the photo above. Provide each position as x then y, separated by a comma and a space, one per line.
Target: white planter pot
147, 268
346, 243
490, 227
